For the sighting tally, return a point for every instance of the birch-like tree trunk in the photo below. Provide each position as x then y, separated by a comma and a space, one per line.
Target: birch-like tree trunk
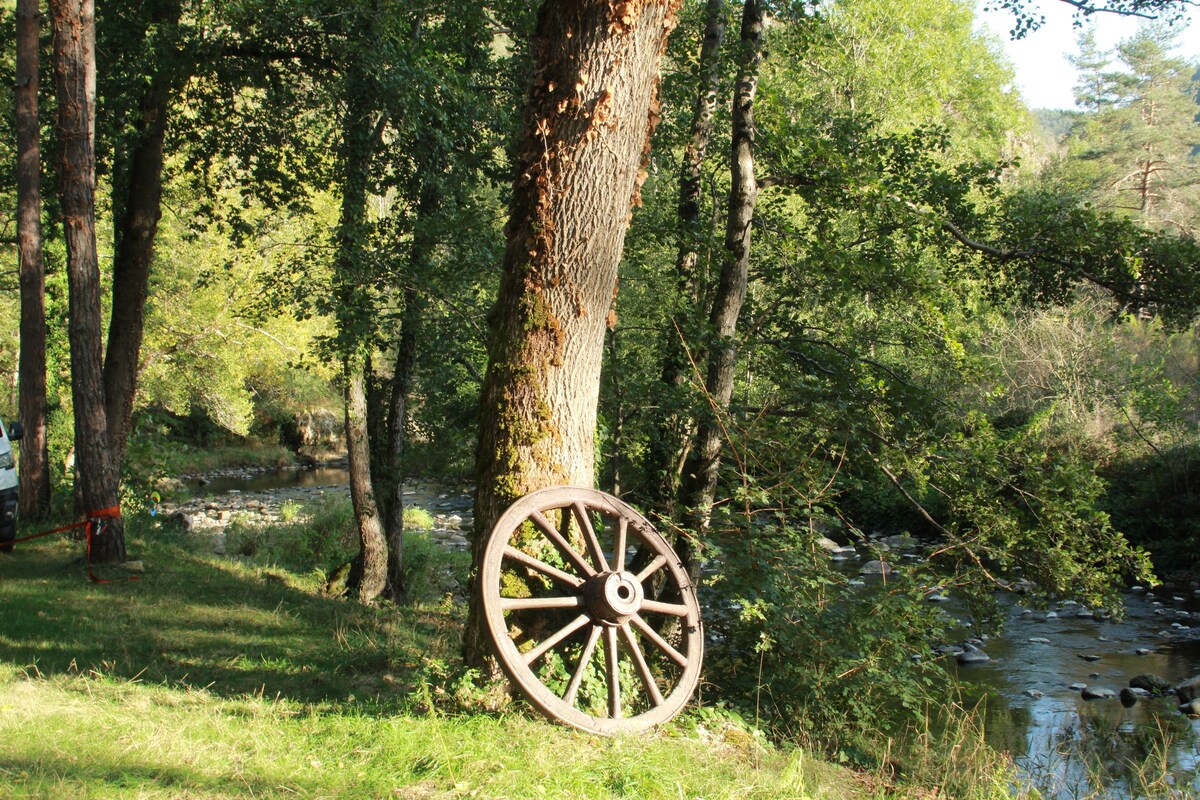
700, 482
674, 427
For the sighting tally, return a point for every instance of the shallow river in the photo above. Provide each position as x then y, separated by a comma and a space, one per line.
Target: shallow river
1031, 711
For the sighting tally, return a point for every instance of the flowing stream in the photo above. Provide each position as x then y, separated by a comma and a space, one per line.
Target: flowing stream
1032, 679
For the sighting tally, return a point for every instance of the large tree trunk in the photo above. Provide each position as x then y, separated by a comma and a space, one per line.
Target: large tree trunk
674, 425
96, 479
35, 463
701, 479
591, 110
137, 226
372, 544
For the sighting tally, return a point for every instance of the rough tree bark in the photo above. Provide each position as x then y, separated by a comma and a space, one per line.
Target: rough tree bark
96, 478
700, 482
372, 572
591, 109
35, 463
673, 429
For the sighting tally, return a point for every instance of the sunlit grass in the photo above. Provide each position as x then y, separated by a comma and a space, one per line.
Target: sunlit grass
210, 678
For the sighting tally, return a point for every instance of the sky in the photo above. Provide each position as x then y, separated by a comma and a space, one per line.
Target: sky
1044, 76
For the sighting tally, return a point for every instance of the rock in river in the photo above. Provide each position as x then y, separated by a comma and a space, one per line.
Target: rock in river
972, 656
1151, 683
875, 568
1096, 693
1189, 690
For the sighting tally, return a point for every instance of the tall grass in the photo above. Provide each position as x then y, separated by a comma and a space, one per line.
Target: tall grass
1093, 759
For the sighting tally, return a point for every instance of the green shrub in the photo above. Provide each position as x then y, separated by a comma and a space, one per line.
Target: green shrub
811, 657
432, 571
417, 519
319, 535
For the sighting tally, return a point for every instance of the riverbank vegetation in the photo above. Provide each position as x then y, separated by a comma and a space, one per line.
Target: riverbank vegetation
852, 304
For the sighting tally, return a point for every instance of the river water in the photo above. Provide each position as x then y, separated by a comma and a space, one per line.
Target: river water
1034, 709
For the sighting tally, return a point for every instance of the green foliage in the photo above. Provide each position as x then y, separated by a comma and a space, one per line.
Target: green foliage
812, 656
417, 519
431, 571
319, 537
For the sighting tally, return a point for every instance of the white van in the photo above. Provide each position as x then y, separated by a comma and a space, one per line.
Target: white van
8, 487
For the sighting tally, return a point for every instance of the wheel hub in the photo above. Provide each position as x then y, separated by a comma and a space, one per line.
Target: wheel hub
613, 597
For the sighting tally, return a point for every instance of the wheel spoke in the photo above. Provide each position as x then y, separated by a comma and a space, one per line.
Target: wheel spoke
643, 668
612, 672
619, 544
589, 536
584, 658
562, 544
541, 650
659, 642
675, 610
525, 603
537, 565
654, 566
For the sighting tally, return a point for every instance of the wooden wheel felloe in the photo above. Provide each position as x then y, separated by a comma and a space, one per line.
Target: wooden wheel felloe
590, 612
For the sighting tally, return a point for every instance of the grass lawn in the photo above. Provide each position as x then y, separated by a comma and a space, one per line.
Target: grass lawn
210, 678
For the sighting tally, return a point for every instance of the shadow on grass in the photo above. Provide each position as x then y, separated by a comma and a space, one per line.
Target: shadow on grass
101, 779
200, 621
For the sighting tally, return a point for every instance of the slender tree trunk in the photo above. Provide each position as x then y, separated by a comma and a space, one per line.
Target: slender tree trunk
419, 263
674, 426
137, 227
96, 478
35, 463
397, 428
701, 480
592, 107
372, 543
354, 326
617, 433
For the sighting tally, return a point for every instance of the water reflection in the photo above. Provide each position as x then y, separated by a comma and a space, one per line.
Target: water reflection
1072, 747
267, 480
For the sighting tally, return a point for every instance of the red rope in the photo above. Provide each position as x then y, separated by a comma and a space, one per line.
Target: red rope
94, 525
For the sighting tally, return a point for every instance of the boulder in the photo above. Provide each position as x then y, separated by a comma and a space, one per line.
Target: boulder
971, 657
1151, 683
1189, 690
1128, 697
1096, 693
825, 543
875, 568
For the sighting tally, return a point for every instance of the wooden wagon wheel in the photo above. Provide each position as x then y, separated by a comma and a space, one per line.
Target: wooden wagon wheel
590, 611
